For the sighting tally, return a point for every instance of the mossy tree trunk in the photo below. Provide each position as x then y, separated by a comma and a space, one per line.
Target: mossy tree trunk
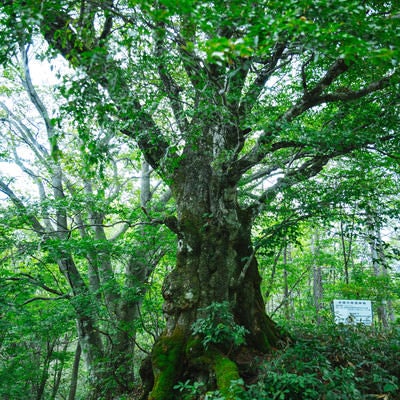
215, 264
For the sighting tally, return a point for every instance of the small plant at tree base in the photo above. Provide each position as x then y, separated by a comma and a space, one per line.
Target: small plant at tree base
190, 390
219, 326
196, 390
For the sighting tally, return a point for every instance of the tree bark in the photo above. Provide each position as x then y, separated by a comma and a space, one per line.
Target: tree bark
347, 250
384, 308
59, 368
75, 370
317, 277
45, 370
215, 264
286, 294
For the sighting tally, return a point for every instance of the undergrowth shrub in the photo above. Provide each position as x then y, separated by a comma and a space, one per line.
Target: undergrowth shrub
326, 362
333, 363
219, 326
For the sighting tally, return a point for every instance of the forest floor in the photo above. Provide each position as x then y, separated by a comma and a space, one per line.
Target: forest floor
330, 362
321, 362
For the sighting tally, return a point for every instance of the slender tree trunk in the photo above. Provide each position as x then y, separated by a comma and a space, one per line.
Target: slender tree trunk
74, 374
45, 370
384, 309
317, 277
286, 257
346, 238
88, 332
215, 263
286, 293
346, 252
59, 370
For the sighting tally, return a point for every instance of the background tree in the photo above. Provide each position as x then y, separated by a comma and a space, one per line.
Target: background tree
104, 252
34, 335
344, 195
221, 96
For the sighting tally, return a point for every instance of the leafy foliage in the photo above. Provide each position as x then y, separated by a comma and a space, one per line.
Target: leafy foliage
325, 362
333, 363
218, 326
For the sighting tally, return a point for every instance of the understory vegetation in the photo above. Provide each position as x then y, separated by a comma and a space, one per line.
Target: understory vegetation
326, 362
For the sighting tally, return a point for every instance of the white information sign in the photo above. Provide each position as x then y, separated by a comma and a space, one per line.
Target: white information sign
351, 312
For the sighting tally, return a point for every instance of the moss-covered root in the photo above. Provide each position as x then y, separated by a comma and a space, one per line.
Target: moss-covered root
227, 373
167, 361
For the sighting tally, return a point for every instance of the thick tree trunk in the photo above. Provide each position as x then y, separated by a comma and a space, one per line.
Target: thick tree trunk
215, 264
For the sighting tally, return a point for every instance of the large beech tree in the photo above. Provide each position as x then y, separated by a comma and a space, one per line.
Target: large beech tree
223, 97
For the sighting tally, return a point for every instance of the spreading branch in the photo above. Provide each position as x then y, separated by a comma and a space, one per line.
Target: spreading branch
108, 73
34, 97
23, 132
310, 99
349, 95
36, 282
170, 221
45, 299
171, 88
258, 85
259, 152
305, 171
35, 224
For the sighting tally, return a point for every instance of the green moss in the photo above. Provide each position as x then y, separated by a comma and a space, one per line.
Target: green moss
226, 371
194, 347
167, 361
167, 357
